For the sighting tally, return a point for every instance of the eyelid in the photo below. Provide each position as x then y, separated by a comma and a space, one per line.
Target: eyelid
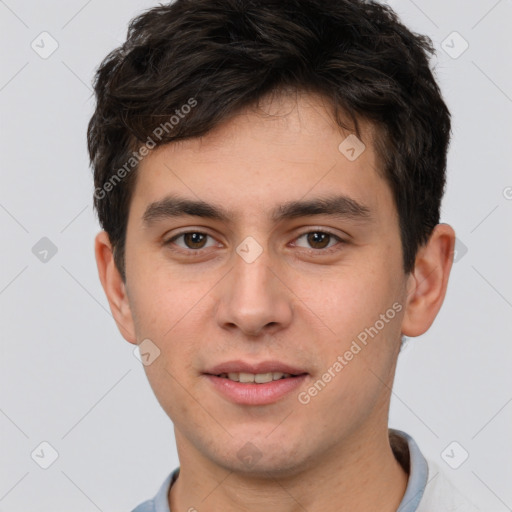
202, 231
309, 230
326, 231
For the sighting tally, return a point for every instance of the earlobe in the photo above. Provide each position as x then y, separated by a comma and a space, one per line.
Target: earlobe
114, 287
428, 281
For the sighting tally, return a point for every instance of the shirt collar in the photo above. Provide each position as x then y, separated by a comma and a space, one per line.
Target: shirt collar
161, 500
417, 467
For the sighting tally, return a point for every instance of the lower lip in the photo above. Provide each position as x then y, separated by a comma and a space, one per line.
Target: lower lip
256, 394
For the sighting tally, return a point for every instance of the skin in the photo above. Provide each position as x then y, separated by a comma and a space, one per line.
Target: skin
296, 303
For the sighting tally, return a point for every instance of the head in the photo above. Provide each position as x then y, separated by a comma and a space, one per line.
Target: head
269, 175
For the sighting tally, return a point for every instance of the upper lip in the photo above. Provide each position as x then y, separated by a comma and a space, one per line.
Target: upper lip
260, 367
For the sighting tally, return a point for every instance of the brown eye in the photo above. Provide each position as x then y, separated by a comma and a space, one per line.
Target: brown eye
194, 240
318, 240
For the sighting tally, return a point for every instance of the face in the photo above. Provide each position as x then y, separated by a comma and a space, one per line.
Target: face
262, 248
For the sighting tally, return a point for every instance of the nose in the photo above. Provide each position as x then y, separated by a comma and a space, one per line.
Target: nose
253, 298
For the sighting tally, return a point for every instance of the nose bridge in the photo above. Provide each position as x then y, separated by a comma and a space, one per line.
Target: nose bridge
252, 298
252, 280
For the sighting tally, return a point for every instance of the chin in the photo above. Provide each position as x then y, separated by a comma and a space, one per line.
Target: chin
261, 458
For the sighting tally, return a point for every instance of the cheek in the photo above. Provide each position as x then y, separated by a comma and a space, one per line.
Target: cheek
363, 311
357, 372
160, 299
348, 300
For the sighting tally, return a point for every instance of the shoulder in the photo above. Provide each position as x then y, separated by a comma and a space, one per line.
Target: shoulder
428, 488
159, 503
441, 495
147, 506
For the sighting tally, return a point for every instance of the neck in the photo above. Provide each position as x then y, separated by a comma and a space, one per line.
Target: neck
364, 477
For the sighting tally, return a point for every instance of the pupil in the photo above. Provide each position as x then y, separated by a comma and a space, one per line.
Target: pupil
318, 240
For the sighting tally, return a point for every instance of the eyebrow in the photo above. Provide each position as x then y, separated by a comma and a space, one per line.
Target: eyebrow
340, 206
336, 206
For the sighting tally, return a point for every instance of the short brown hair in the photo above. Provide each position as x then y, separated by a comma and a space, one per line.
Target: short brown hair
225, 55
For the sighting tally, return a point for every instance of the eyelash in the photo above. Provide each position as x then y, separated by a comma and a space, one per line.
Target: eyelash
316, 252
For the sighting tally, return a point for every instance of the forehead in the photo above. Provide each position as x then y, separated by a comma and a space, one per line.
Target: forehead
285, 148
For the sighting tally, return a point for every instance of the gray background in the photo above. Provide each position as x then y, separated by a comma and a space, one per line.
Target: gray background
70, 379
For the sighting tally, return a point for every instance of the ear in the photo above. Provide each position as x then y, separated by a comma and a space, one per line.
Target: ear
114, 287
428, 281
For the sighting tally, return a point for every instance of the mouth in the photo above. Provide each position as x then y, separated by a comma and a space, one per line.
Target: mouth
255, 384
256, 378
258, 373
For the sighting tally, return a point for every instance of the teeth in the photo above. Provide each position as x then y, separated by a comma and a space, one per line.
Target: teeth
252, 378
261, 378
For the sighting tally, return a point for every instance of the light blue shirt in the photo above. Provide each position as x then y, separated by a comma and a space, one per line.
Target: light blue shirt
411, 502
